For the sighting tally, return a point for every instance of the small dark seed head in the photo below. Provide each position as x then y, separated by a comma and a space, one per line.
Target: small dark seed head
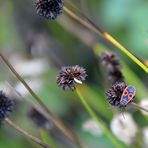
38, 119
69, 75
115, 75
49, 9
6, 106
109, 59
113, 67
115, 92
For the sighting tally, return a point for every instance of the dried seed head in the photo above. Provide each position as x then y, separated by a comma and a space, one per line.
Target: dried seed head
113, 66
115, 75
38, 119
69, 75
109, 59
115, 92
6, 106
49, 9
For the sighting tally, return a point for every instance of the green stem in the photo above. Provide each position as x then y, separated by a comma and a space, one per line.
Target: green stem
99, 121
108, 37
91, 26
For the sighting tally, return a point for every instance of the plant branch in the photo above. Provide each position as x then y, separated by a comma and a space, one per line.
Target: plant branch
84, 15
139, 107
78, 19
69, 133
126, 51
91, 26
26, 134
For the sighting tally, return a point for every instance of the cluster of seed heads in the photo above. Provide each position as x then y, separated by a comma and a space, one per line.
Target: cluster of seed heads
116, 79
113, 67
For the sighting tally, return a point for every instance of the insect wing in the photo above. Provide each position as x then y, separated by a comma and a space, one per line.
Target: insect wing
127, 95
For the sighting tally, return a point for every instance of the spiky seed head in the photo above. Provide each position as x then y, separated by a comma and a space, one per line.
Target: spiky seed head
113, 67
6, 106
49, 9
115, 92
69, 75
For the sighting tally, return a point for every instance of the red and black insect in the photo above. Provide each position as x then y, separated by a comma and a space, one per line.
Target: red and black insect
127, 96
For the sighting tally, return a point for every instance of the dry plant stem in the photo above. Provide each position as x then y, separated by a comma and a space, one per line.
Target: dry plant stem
30, 102
105, 35
84, 23
139, 107
69, 133
26, 134
33, 105
85, 16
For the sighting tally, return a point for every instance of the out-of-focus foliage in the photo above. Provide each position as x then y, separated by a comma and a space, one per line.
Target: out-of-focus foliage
24, 37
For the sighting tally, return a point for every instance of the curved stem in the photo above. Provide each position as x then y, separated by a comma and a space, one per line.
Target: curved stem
139, 107
99, 121
105, 35
54, 118
26, 134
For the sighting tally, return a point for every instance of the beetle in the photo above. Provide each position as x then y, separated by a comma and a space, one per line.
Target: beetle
127, 95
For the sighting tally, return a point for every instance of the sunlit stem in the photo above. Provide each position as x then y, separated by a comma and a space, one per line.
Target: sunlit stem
91, 26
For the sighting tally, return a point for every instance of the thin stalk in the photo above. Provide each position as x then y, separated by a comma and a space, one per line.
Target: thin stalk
30, 102
124, 50
139, 107
99, 121
91, 26
69, 133
84, 23
26, 134
83, 15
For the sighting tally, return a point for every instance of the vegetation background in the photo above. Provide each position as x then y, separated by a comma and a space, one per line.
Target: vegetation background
37, 48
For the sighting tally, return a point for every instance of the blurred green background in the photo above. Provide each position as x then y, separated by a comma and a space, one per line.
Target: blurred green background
37, 48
